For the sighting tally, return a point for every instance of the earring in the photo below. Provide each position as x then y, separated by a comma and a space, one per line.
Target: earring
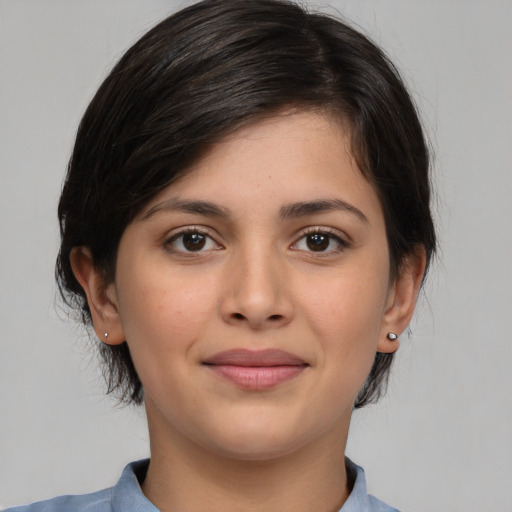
392, 336
106, 335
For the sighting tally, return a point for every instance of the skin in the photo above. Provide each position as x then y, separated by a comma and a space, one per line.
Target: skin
255, 280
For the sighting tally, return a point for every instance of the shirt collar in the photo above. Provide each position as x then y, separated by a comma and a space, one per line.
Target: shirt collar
127, 494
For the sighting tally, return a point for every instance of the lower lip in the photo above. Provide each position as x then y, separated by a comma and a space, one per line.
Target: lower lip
257, 378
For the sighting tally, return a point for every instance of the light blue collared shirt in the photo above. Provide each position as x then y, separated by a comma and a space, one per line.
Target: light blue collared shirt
127, 496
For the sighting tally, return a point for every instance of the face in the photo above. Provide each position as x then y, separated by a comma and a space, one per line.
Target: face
254, 292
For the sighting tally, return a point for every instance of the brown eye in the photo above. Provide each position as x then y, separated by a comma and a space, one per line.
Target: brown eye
190, 242
322, 242
318, 242
194, 241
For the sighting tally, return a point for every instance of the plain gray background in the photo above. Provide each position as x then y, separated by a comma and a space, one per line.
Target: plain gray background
441, 439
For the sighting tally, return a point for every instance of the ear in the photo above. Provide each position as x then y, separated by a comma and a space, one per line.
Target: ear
101, 299
401, 300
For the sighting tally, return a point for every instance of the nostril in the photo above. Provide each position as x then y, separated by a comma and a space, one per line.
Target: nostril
238, 316
275, 317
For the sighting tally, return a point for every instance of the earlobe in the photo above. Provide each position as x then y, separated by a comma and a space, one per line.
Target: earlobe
401, 302
100, 298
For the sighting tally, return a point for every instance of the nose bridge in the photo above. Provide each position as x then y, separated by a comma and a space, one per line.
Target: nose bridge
256, 292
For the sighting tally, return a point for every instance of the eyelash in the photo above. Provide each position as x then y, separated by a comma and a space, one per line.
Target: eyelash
342, 244
207, 238
190, 231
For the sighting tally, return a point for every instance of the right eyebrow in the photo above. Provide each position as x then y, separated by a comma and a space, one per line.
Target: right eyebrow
203, 208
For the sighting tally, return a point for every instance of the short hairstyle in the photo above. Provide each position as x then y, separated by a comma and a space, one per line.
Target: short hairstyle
205, 72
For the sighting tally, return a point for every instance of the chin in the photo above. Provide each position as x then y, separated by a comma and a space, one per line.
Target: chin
259, 442
257, 449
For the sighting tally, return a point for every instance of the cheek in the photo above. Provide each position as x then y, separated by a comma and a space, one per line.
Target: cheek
161, 321
347, 304
347, 328
163, 312
345, 313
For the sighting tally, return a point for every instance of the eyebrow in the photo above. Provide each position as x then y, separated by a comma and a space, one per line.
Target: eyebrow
204, 208
302, 209
292, 210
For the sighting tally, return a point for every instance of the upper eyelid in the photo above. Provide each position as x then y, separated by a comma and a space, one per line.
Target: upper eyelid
175, 232
336, 233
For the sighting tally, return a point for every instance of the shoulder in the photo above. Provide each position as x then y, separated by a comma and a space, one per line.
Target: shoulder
125, 495
98, 502
359, 499
379, 506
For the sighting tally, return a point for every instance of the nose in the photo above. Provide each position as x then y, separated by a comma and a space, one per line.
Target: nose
257, 292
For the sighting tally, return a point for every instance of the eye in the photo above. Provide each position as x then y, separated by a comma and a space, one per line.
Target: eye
320, 241
191, 241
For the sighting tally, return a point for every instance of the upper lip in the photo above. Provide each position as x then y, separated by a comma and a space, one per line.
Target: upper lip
244, 357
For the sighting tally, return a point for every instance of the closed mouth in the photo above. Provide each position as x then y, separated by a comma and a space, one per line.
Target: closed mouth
256, 370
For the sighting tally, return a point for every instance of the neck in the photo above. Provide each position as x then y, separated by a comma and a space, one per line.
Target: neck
185, 477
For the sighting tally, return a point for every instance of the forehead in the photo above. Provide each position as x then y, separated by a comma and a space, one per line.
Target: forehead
288, 158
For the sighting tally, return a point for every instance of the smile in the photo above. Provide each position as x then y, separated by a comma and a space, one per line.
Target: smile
256, 370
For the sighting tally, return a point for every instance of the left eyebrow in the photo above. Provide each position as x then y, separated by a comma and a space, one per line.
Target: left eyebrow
204, 208
302, 209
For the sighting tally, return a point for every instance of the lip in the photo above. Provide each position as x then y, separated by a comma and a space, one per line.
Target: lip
256, 370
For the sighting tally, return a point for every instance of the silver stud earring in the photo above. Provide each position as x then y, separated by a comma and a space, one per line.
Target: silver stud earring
392, 336
106, 335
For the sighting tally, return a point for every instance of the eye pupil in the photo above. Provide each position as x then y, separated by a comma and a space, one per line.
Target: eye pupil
318, 242
194, 241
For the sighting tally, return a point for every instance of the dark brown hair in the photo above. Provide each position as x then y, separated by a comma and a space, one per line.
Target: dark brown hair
198, 76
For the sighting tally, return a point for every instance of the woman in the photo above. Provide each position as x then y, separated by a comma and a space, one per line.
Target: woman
245, 224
